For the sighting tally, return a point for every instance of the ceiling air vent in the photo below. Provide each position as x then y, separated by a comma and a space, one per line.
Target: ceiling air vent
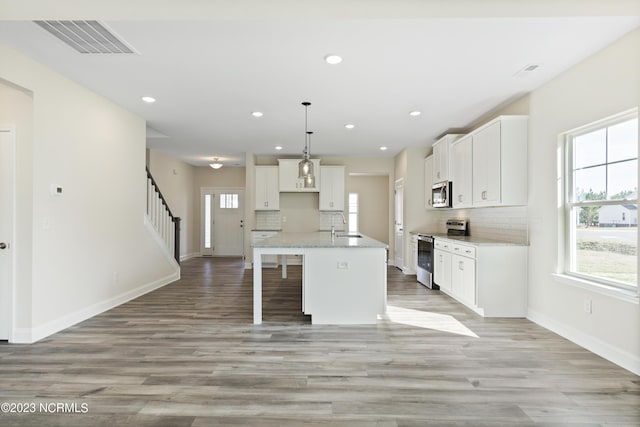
86, 36
527, 70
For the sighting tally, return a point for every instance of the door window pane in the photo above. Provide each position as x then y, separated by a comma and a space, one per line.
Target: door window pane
207, 221
229, 201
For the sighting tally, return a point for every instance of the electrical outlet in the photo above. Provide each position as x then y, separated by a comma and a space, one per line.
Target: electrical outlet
587, 306
343, 265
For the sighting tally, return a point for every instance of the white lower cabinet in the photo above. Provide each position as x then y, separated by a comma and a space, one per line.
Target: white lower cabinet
442, 269
463, 278
268, 261
489, 278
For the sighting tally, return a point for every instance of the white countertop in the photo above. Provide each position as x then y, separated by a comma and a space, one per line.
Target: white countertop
473, 240
320, 239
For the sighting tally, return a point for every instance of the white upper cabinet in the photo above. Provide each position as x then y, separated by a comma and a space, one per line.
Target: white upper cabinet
442, 158
462, 184
500, 162
288, 176
428, 182
332, 188
267, 189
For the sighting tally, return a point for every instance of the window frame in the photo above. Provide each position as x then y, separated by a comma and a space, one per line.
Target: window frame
568, 204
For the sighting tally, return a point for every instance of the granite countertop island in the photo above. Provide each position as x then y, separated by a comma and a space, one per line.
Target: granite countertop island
319, 239
344, 278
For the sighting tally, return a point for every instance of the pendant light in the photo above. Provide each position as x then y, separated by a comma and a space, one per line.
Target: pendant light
305, 167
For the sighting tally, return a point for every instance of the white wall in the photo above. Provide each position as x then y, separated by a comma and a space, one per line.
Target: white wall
604, 84
90, 247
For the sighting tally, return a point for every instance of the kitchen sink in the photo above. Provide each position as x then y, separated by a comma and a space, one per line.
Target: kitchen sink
349, 235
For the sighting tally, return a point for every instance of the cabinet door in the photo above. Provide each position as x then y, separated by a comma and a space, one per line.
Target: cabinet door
486, 166
332, 188
441, 161
442, 269
463, 278
462, 184
267, 195
288, 176
428, 182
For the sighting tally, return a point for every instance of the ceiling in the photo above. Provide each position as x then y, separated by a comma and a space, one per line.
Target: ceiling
209, 71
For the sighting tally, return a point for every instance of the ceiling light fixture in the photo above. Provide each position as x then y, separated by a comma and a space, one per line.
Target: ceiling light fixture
305, 167
415, 113
216, 164
257, 114
383, 148
333, 59
278, 147
349, 126
149, 99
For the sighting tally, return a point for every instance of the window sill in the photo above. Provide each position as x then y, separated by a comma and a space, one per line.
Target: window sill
621, 294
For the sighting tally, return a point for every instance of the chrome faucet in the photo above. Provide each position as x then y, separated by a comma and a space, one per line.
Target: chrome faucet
333, 227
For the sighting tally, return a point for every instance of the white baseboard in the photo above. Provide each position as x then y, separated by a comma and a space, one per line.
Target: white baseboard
27, 336
624, 359
189, 256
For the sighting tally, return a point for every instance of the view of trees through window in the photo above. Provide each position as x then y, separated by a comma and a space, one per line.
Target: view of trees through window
603, 203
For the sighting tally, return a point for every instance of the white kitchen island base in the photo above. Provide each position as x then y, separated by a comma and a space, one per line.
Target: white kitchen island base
344, 280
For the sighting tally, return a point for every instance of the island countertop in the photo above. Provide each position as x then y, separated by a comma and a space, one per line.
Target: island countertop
319, 239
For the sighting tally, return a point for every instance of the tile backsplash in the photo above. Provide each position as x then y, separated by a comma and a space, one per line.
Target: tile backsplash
272, 220
329, 218
268, 220
503, 223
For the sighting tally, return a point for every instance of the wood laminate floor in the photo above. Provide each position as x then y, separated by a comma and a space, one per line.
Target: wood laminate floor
188, 355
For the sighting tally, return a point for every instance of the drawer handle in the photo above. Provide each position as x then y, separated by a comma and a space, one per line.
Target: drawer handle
468, 251
456, 249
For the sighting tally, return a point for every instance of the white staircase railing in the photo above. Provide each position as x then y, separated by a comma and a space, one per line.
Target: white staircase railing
166, 224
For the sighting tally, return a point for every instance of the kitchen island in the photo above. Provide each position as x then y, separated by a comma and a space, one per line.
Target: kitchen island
344, 278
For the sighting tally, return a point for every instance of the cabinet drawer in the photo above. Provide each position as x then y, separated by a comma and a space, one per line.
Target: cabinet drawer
444, 245
463, 250
257, 236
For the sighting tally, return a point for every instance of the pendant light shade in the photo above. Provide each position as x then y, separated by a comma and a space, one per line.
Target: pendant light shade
305, 167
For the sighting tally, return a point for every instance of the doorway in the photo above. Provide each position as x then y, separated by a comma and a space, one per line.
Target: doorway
7, 179
399, 223
222, 221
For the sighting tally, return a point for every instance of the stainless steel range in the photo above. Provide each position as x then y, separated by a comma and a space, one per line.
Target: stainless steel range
425, 261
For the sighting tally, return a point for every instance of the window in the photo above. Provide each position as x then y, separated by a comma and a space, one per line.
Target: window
228, 201
601, 209
207, 221
353, 212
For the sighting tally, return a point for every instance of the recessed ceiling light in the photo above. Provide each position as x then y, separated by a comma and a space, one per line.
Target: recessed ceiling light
415, 113
257, 114
149, 99
349, 126
278, 147
333, 59
383, 148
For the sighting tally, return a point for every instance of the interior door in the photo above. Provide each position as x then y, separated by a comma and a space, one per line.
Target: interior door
399, 223
7, 147
222, 222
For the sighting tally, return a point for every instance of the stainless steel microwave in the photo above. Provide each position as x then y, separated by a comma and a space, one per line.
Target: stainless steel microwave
441, 195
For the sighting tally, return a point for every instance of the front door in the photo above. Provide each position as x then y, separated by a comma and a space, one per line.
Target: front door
7, 147
222, 222
399, 224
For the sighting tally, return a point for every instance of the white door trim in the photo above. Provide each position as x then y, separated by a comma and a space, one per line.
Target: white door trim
9, 173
